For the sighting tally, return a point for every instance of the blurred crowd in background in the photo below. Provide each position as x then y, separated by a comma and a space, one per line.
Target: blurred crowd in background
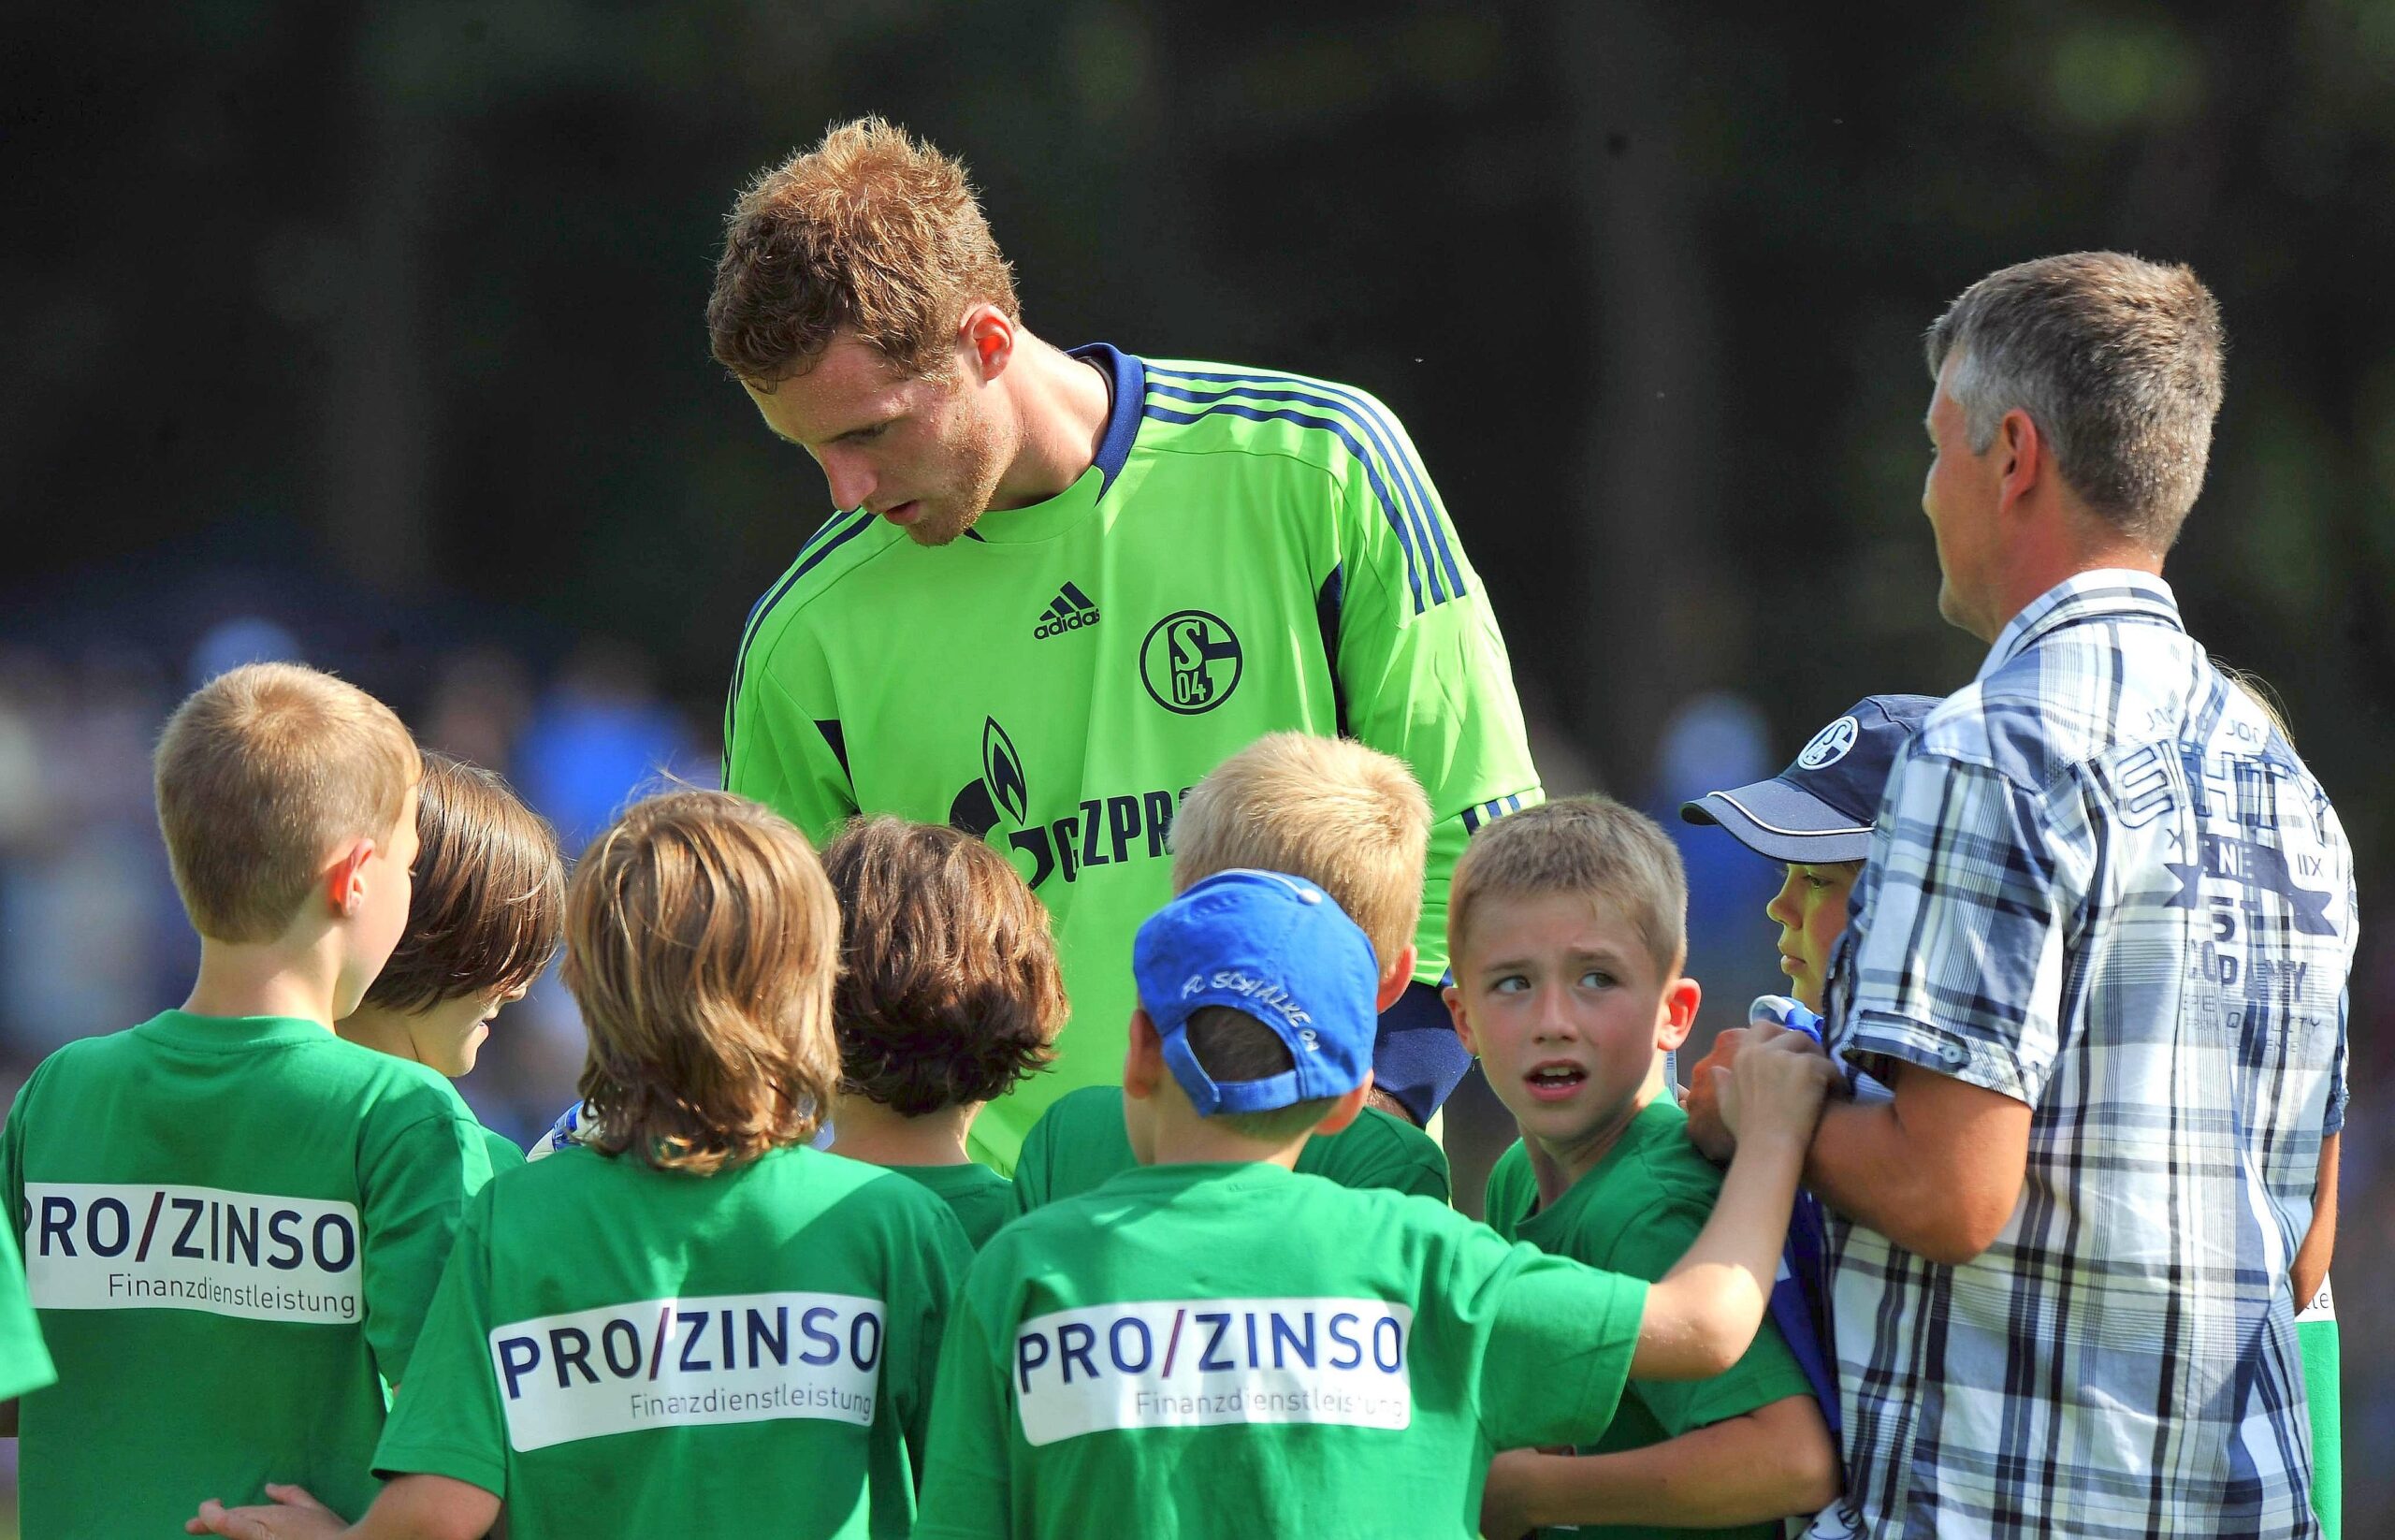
371, 335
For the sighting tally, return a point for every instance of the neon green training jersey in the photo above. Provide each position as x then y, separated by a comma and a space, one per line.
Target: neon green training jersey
1250, 553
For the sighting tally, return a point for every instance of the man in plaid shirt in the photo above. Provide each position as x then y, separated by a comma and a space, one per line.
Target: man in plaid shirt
2094, 981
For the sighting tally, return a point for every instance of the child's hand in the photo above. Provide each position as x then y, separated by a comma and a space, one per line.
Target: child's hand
294, 1515
1776, 1084
1505, 1511
1705, 1130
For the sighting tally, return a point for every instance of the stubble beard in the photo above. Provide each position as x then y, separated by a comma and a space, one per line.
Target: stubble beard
979, 467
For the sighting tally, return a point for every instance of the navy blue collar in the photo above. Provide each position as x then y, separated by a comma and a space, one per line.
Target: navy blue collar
1127, 378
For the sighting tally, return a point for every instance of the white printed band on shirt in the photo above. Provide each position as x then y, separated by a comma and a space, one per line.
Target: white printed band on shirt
93, 1246
718, 1357
1194, 1363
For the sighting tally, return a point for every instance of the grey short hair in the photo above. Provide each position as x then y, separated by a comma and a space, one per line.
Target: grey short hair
2118, 362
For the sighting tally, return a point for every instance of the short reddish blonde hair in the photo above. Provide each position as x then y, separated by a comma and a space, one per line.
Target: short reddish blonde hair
701, 941
262, 774
949, 991
873, 232
1351, 819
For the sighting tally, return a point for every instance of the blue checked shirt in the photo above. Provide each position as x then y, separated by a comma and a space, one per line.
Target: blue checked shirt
2102, 884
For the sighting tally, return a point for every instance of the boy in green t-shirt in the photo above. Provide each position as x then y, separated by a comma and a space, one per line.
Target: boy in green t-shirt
1211, 1345
687, 1322
1348, 818
949, 995
487, 904
1567, 925
232, 1220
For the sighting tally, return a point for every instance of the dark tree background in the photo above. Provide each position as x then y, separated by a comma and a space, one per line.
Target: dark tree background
384, 321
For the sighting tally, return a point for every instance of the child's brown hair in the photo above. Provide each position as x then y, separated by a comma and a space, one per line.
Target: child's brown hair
260, 772
489, 904
949, 991
701, 942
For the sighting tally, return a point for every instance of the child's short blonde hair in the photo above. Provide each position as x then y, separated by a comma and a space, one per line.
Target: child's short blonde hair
261, 773
701, 941
1590, 848
1349, 818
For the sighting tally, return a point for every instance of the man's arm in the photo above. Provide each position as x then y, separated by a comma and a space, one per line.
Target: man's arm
1775, 1461
1419, 670
1938, 1170
2320, 1240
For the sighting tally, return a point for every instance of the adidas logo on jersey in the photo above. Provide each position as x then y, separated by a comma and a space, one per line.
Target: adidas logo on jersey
1070, 610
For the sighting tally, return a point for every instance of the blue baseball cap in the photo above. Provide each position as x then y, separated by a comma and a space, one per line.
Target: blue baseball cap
1821, 806
1276, 949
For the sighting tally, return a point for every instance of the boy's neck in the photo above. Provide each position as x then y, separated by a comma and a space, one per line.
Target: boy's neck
1559, 1168
864, 1129
266, 978
384, 1031
1179, 1136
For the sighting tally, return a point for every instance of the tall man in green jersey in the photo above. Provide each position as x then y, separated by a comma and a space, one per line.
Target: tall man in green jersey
1067, 585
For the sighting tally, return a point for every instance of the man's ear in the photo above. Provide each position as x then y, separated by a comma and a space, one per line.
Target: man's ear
1347, 1109
987, 335
1143, 1061
1676, 1016
344, 880
2023, 456
1394, 979
1456, 1013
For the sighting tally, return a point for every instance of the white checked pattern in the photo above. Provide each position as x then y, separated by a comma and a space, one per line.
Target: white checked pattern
2103, 884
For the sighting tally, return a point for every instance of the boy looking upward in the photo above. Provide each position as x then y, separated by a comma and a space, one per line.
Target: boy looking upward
686, 1323
234, 1220
1567, 923
1211, 1345
487, 907
1354, 822
948, 995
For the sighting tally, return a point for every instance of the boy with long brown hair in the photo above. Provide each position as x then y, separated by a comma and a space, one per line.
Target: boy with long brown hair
234, 1220
690, 1290
949, 995
484, 919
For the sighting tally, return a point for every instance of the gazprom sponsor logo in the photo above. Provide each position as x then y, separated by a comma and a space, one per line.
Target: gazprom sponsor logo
718, 1357
92, 1245
1198, 1363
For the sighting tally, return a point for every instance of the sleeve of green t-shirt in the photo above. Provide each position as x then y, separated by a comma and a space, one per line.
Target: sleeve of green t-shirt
446, 1418
1553, 1339
782, 735
966, 1493
25, 1358
413, 1184
1378, 1151
1506, 1201
1649, 1244
931, 1270
1427, 681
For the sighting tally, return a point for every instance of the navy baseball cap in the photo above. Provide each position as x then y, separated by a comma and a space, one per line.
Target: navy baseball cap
1821, 806
1277, 948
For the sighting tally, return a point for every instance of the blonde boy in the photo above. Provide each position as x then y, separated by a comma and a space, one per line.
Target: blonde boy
686, 1323
234, 1220
1336, 813
1567, 926
1212, 1346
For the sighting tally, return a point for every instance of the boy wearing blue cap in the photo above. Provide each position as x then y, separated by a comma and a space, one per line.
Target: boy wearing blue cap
1212, 1344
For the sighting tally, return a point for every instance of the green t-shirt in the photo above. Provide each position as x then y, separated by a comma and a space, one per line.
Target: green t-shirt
1250, 552
1233, 1350
24, 1362
232, 1228
1080, 1144
980, 1198
745, 1354
505, 1153
1637, 1212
